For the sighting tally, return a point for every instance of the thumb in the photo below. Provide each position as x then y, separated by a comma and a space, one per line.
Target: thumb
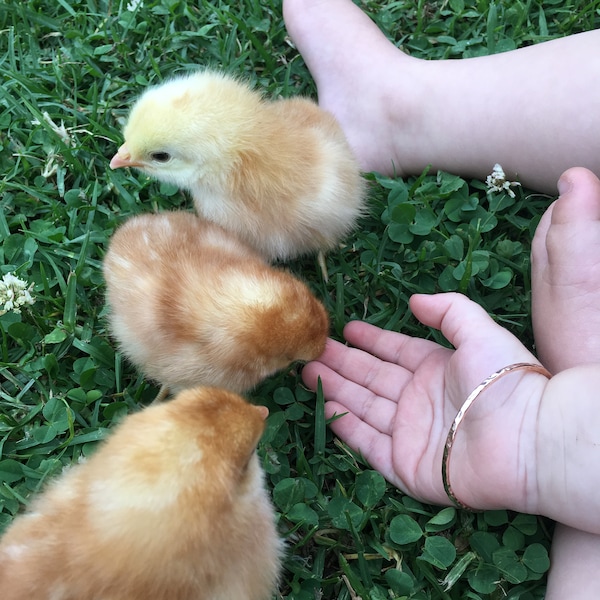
461, 320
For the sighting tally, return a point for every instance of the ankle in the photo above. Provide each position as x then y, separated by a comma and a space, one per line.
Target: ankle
412, 102
387, 125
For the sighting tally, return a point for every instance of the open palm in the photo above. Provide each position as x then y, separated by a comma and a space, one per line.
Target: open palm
399, 396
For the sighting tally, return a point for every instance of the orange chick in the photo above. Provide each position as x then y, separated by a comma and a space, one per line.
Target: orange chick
190, 304
278, 173
172, 506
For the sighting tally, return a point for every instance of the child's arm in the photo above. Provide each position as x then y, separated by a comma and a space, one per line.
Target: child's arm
401, 395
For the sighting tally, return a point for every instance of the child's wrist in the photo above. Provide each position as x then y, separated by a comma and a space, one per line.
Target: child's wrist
462, 413
492, 462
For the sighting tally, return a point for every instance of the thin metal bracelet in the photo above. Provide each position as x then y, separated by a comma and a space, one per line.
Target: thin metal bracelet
534, 368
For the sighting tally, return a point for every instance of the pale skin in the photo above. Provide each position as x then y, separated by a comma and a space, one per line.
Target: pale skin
566, 289
533, 110
533, 113
566, 275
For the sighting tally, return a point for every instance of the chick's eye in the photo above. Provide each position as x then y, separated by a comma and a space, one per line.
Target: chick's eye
160, 156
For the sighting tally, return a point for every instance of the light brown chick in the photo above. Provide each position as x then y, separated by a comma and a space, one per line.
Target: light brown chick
172, 506
280, 174
191, 305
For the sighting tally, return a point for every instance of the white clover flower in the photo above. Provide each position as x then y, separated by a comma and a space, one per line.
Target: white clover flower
134, 5
60, 130
497, 182
14, 293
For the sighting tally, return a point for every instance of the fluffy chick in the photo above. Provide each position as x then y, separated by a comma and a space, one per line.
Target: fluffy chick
190, 305
280, 173
172, 506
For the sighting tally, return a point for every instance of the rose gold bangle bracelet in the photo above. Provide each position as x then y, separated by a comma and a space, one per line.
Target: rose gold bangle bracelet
532, 367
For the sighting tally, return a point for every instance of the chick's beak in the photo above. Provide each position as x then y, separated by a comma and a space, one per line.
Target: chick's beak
122, 159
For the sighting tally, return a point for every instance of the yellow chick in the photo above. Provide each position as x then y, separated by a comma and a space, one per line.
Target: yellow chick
279, 174
190, 304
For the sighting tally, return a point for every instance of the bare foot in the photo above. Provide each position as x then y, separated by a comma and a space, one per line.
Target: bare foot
361, 77
401, 114
566, 275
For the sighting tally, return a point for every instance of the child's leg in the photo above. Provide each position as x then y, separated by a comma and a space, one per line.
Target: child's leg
533, 110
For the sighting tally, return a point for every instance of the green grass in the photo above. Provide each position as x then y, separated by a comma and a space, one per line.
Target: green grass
63, 386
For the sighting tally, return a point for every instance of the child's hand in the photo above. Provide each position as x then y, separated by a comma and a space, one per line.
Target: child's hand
402, 394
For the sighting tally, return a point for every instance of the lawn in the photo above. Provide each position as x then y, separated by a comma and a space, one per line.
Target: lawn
69, 71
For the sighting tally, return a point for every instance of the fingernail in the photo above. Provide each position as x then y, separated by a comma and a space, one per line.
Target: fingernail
564, 185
